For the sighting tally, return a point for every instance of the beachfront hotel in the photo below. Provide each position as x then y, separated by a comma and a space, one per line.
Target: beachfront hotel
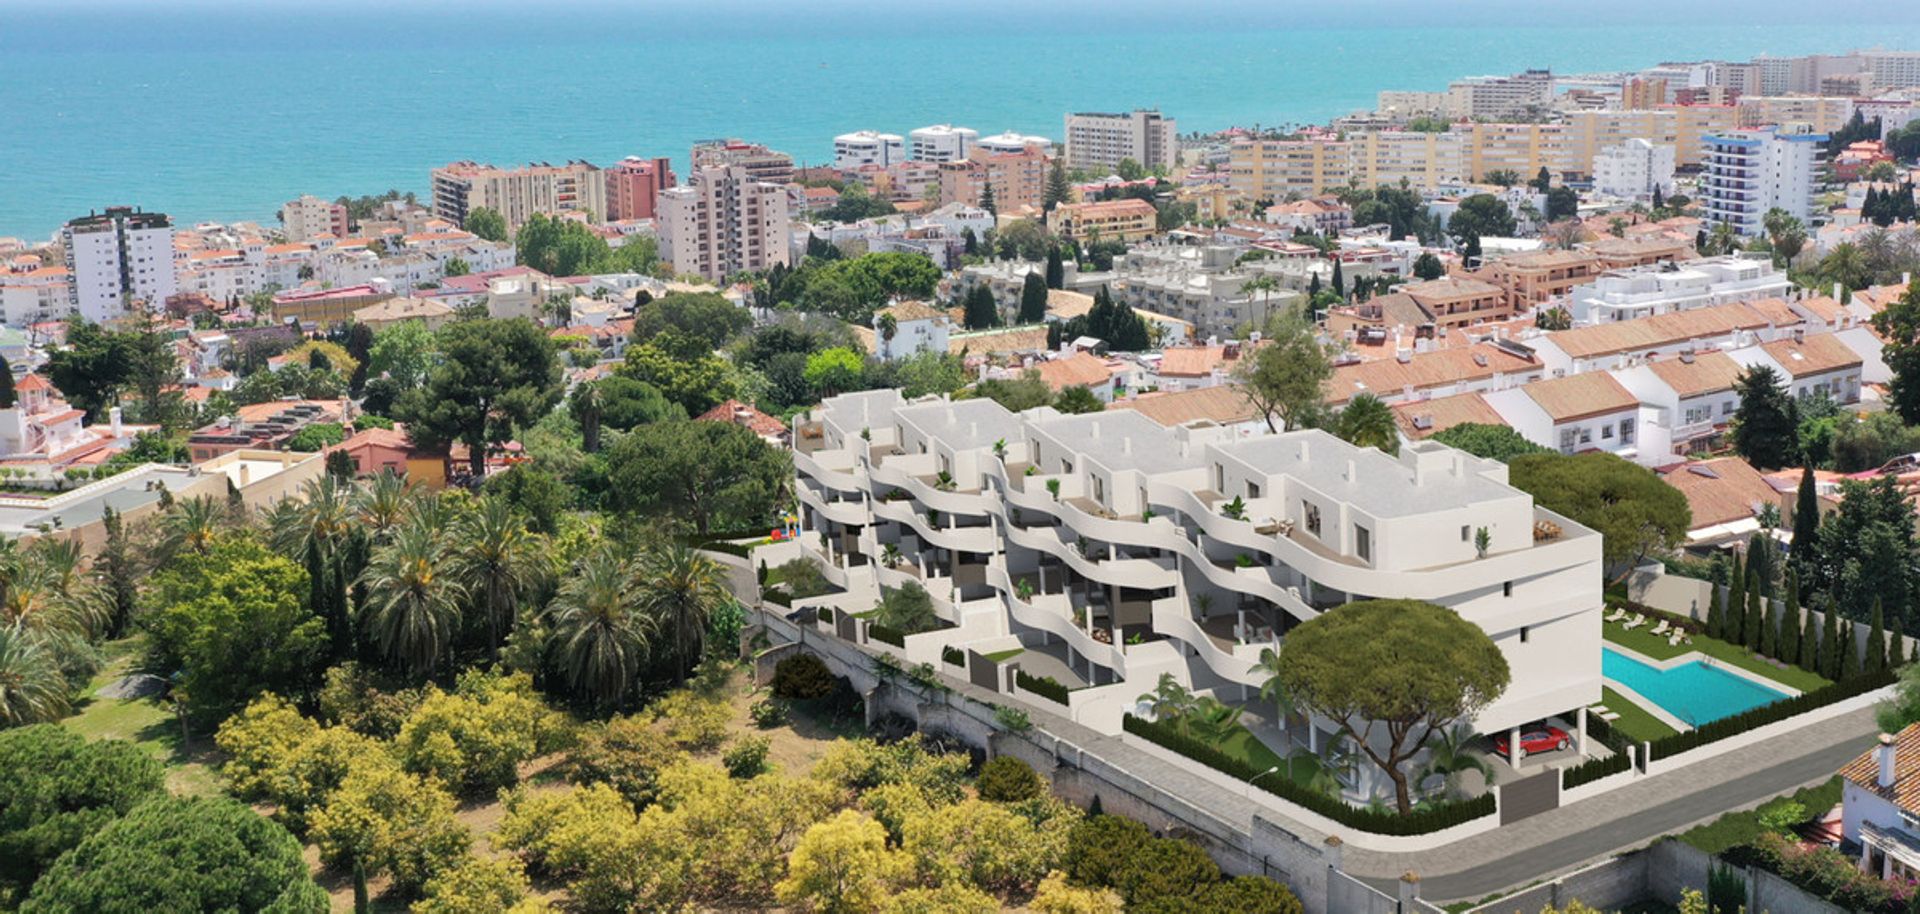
1111, 549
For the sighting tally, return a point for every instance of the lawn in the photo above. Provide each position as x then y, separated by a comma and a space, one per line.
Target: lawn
1656, 646
1243, 745
1737, 828
1635, 722
1006, 655
146, 722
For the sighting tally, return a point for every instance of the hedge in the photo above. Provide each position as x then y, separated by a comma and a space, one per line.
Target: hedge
887, 634
954, 656
1419, 822
1593, 769
776, 596
1720, 729
1043, 686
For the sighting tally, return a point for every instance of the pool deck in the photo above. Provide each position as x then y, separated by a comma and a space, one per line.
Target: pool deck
1649, 706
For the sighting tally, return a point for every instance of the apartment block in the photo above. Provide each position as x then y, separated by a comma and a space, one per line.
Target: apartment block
1538, 277
1520, 148
941, 143
724, 221
1639, 94
1749, 172
310, 217
1128, 220
1423, 160
1099, 546
1634, 169
1011, 141
1100, 140
118, 259
1499, 97
1406, 105
634, 186
759, 162
1893, 69
1276, 170
1693, 123
518, 193
866, 147
1018, 178
1822, 115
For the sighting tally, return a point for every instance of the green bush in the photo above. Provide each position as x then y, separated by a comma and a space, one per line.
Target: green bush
1005, 779
887, 634
1166, 868
1100, 847
747, 758
1419, 822
1593, 769
802, 677
56, 789
953, 656
767, 713
1669, 746
1044, 686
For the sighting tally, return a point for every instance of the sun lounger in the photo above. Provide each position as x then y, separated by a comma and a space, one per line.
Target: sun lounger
1616, 615
1661, 629
1675, 639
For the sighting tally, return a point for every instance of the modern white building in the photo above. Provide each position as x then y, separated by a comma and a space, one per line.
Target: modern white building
1633, 169
723, 222
1112, 550
1630, 293
1100, 140
865, 147
1748, 172
907, 328
941, 143
1013, 142
117, 259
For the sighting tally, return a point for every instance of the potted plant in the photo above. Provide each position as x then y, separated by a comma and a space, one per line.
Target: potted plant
933, 518
1053, 488
944, 481
1024, 589
1000, 448
866, 434
1243, 560
890, 556
1235, 509
1482, 541
1031, 470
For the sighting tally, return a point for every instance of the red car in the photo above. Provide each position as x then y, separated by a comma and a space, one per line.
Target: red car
1536, 739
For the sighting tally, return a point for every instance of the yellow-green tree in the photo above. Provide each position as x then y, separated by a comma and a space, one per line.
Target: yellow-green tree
1056, 896
985, 844
842, 866
389, 821
480, 886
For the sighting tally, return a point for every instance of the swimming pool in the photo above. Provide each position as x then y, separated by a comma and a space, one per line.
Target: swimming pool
1693, 692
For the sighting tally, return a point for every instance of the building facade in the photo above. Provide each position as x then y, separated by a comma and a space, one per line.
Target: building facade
310, 217
116, 259
1101, 140
1634, 169
634, 186
866, 147
759, 162
941, 143
1749, 172
518, 193
723, 221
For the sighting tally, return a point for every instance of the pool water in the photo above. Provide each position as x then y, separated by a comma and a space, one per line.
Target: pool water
1694, 692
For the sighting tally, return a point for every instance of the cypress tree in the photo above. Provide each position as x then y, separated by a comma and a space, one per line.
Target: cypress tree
1736, 604
981, 311
1756, 621
1716, 613
1033, 299
986, 198
1876, 658
1806, 525
1849, 654
1313, 287
1339, 281
1056, 271
7, 395
1769, 628
1809, 645
1787, 647
1830, 642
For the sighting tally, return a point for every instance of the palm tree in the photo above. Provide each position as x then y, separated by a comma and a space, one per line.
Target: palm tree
680, 588
1169, 701
1449, 758
1271, 689
1846, 265
499, 561
1212, 721
382, 504
589, 405
11, 564
32, 687
600, 631
1367, 421
413, 604
316, 531
192, 525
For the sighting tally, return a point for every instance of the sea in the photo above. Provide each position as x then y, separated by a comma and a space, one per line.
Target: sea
222, 111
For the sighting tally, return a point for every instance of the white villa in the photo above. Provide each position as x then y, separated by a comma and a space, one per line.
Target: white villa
1111, 549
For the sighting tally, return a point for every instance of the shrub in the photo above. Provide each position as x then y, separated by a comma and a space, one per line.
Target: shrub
887, 634
56, 789
692, 721
1593, 769
1419, 822
391, 822
953, 656
478, 884
1005, 779
473, 741
1044, 686
626, 754
1013, 719
802, 677
859, 765
1166, 868
1101, 847
767, 713
363, 700
800, 578
747, 758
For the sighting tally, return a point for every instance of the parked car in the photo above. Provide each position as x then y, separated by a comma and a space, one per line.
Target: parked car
1536, 739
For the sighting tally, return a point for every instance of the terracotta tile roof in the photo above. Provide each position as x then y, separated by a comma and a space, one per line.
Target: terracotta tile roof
1066, 303
1581, 396
911, 311
1817, 354
1129, 206
1777, 311
32, 382
1708, 372
1877, 298
998, 342
1421, 418
1670, 329
1722, 490
1200, 361
399, 309
1435, 368
1222, 403
1077, 370
1451, 288
745, 414
1823, 307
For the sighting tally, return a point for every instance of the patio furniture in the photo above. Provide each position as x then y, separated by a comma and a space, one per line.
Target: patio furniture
1616, 615
1661, 629
1636, 622
1675, 639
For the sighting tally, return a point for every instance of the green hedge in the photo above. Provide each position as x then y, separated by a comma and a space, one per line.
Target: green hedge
1593, 769
1418, 822
777, 596
887, 634
1599, 730
1043, 686
954, 656
1669, 746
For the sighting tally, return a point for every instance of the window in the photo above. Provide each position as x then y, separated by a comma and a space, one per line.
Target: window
1465, 533
1523, 634
1099, 490
1569, 439
1253, 490
1586, 436
1363, 543
1626, 431
1312, 513
1606, 432
1506, 588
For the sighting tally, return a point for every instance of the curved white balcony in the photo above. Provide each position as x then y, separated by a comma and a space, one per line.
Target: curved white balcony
844, 512
1171, 618
1255, 581
1154, 533
1145, 574
951, 502
847, 479
1052, 613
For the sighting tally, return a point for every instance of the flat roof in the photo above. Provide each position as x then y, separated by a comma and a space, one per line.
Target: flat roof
1381, 485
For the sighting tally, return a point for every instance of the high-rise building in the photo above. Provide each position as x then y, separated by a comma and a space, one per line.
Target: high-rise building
1424, 160
310, 217
1748, 172
1648, 92
724, 221
634, 186
518, 193
1099, 140
1498, 97
1633, 169
118, 259
1276, 170
1018, 178
1821, 114
1522, 149
1013, 142
941, 143
761, 163
865, 147
1893, 69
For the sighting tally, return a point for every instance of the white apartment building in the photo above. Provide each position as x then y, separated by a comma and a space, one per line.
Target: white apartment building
1748, 172
1101, 140
865, 147
723, 222
1101, 546
118, 258
1633, 170
1500, 97
309, 217
1893, 69
1013, 142
1631, 293
518, 193
941, 143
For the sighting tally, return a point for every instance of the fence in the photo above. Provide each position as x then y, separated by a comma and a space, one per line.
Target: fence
1660, 872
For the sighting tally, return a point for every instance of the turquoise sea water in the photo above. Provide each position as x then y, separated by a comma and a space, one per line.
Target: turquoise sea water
209, 113
1694, 692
